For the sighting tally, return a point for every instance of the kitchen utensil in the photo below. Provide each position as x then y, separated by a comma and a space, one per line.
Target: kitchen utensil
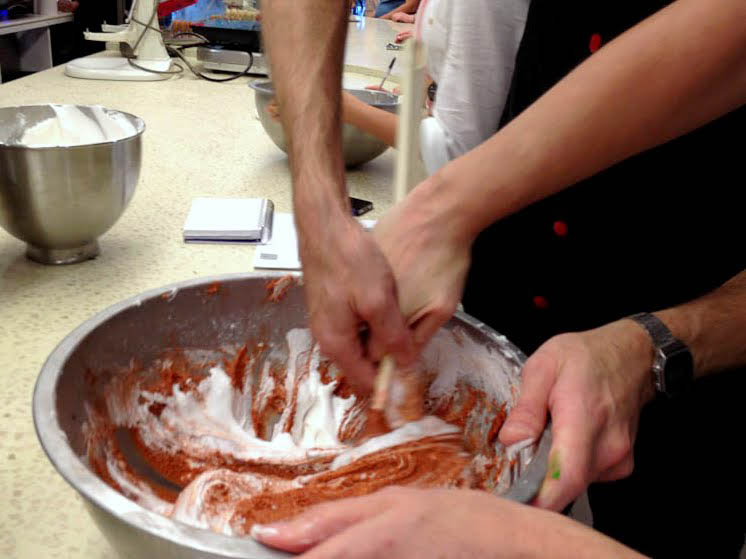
410, 114
406, 143
376, 423
358, 147
388, 72
59, 200
210, 313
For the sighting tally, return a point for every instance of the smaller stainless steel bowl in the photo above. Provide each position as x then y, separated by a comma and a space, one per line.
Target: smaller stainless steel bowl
358, 147
59, 200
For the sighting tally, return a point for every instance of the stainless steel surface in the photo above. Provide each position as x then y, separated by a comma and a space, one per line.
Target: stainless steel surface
227, 56
191, 315
60, 200
227, 60
358, 147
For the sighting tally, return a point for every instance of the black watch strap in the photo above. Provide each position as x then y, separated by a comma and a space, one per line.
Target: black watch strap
673, 365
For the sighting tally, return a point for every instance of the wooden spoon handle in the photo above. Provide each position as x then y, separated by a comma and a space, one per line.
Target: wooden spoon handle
383, 382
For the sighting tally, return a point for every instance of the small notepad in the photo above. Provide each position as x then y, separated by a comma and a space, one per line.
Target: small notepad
229, 220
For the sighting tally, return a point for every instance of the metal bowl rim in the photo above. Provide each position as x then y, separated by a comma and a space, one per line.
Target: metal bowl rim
140, 130
77, 474
260, 86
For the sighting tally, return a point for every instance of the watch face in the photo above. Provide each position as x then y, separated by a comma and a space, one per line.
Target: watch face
678, 371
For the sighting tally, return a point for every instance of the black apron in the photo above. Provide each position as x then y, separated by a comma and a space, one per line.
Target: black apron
654, 231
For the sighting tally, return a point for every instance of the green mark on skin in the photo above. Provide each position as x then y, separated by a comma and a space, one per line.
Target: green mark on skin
554, 467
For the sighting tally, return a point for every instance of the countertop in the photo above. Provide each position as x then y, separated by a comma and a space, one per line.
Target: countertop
202, 139
33, 21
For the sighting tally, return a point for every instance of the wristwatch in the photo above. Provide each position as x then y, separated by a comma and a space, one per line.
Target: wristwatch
673, 365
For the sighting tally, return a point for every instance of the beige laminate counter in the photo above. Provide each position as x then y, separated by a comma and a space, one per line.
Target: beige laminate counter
202, 139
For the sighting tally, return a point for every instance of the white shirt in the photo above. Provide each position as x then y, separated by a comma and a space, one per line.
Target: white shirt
471, 50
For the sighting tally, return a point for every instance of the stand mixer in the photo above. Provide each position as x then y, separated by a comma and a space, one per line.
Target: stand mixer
140, 42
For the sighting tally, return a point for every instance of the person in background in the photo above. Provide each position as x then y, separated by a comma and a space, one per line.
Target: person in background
67, 6
471, 49
401, 17
600, 197
68, 42
386, 9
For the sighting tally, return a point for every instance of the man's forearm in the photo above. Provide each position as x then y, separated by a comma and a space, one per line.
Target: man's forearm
714, 327
305, 41
676, 71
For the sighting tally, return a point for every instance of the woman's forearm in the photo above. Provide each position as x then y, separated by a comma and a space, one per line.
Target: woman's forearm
409, 7
672, 73
374, 121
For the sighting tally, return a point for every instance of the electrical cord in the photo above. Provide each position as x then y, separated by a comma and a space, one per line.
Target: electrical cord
146, 25
168, 72
176, 51
199, 74
204, 39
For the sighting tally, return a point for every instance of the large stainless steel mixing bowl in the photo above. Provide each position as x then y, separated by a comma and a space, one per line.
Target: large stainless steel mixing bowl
358, 147
59, 200
201, 313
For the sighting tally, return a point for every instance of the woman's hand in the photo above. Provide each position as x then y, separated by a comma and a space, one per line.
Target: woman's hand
403, 36
402, 523
401, 17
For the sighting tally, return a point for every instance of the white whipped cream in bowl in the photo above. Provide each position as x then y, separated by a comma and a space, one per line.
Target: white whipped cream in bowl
67, 173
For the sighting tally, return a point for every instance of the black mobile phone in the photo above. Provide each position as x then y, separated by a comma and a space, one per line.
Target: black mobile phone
360, 206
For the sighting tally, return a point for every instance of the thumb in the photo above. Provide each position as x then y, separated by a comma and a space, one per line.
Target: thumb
527, 419
426, 323
320, 523
389, 335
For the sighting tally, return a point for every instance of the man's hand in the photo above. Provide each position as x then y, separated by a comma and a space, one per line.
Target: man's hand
429, 260
403, 36
348, 282
349, 285
593, 384
399, 523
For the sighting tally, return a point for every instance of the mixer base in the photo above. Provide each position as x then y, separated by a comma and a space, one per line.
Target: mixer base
45, 255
